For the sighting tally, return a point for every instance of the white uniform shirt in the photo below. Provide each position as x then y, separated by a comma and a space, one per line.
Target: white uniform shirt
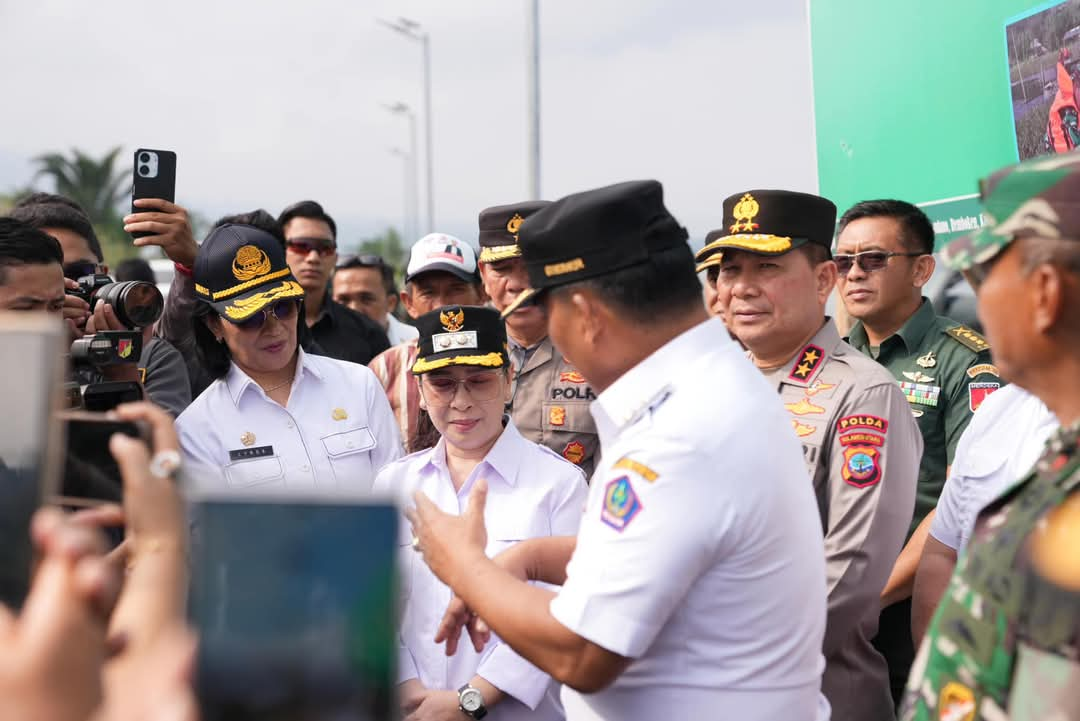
700, 554
399, 332
531, 492
1000, 445
333, 436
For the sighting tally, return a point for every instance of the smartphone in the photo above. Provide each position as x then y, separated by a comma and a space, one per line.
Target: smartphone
294, 603
32, 348
154, 176
91, 475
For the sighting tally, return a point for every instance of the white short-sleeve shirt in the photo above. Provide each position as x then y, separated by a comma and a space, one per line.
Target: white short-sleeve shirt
700, 554
532, 492
334, 434
1000, 445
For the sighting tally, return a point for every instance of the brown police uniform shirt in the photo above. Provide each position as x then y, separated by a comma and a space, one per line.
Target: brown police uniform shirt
862, 450
550, 404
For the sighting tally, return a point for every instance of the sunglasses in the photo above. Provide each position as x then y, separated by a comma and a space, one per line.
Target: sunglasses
304, 246
440, 390
868, 261
283, 310
80, 268
360, 261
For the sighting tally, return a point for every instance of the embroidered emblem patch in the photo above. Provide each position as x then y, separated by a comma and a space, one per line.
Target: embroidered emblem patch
451, 321
977, 393
250, 262
927, 361
866, 439
514, 224
862, 466
809, 360
621, 504
574, 452
817, 387
918, 377
639, 468
802, 430
956, 702
745, 211
557, 416
850, 423
920, 393
982, 368
804, 408
571, 377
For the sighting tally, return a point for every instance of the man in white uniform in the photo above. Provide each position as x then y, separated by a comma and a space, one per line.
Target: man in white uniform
695, 587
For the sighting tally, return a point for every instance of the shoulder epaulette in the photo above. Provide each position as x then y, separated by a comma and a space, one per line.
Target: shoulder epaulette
967, 337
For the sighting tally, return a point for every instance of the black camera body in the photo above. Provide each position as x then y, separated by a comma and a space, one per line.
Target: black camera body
137, 303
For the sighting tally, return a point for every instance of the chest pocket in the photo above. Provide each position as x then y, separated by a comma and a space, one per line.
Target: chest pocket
350, 458
505, 530
254, 472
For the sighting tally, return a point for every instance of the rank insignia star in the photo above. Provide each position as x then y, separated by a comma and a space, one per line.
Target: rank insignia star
808, 361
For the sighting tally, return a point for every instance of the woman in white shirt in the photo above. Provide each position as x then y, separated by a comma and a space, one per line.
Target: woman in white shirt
462, 369
276, 419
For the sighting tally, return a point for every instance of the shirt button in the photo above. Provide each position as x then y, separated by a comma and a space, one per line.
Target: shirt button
348, 444
290, 424
306, 468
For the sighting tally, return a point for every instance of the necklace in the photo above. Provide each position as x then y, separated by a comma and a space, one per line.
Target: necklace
285, 382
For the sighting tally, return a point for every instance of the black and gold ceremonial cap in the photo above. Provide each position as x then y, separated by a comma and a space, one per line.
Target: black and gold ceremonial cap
240, 269
769, 222
460, 335
499, 229
594, 233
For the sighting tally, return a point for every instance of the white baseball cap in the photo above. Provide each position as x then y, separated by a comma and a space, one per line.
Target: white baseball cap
439, 251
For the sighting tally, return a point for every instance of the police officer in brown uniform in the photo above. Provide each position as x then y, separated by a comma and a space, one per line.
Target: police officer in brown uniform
860, 443
550, 402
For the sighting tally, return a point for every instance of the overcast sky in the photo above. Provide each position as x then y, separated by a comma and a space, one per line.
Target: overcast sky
270, 102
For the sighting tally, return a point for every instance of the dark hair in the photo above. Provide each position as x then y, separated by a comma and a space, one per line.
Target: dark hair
23, 244
308, 209
815, 253
215, 357
134, 269
256, 218
370, 261
916, 229
46, 210
664, 287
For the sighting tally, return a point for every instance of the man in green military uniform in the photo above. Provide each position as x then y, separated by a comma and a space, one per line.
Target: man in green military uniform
1005, 639
884, 258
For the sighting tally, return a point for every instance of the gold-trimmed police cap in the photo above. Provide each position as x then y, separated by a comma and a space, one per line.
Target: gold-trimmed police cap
241, 269
460, 335
769, 222
594, 233
499, 227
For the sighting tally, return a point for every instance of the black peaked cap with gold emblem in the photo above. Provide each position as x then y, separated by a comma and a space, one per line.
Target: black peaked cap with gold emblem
241, 269
595, 233
460, 335
769, 222
499, 229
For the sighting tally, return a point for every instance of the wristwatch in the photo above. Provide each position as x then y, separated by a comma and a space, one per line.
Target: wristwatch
471, 702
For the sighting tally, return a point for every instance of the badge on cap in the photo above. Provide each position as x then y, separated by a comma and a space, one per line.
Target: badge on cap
514, 224
247, 438
745, 211
250, 262
452, 321
339, 414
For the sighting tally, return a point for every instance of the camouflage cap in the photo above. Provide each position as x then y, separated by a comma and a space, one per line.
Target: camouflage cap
1040, 197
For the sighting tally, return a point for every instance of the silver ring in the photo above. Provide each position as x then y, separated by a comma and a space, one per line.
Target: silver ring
164, 464
416, 543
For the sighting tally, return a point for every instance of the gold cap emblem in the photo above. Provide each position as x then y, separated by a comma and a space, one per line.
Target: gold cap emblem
248, 438
745, 211
339, 414
452, 321
250, 262
514, 224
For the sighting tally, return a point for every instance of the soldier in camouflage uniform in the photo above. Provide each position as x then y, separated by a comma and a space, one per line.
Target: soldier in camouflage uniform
884, 255
1005, 640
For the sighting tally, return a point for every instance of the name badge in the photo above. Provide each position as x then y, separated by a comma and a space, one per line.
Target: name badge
245, 454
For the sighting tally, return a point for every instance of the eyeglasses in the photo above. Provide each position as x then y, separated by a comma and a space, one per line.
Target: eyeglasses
868, 261
441, 390
304, 246
360, 261
283, 310
80, 268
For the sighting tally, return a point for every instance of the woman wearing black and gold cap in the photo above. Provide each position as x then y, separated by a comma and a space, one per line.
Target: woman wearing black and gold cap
275, 419
463, 373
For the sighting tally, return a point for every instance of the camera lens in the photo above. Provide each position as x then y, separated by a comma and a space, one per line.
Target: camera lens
136, 302
144, 170
144, 157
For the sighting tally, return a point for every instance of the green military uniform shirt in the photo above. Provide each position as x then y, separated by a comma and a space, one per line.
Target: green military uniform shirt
945, 371
1004, 642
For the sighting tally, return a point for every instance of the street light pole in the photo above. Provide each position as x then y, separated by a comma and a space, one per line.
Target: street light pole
413, 192
532, 71
411, 30
406, 163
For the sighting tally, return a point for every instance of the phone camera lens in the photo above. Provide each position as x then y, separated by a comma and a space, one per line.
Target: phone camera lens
144, 171
144, 158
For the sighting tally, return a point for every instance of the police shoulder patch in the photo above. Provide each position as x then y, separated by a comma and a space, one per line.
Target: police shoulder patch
968, 338
621, 503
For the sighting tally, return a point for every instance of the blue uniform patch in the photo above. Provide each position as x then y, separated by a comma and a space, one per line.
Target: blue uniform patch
621, 504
